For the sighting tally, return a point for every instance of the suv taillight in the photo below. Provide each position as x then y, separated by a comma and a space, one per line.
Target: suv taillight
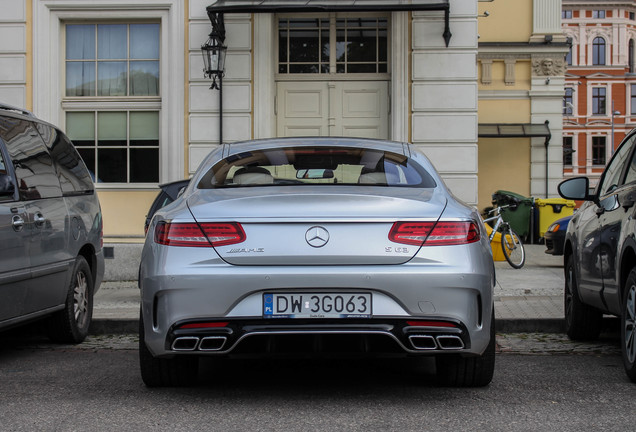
199, 235
434, 234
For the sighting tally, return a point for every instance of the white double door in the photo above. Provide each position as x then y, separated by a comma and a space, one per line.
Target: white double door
333, 108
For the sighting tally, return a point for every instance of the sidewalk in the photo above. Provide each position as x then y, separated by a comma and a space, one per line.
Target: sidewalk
526, 300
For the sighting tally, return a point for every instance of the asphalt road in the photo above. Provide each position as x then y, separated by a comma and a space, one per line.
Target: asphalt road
542, 382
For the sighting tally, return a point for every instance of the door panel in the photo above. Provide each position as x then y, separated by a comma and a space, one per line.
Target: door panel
302, 109
336, 108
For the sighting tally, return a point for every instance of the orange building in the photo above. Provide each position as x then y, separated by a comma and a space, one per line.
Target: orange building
599, 106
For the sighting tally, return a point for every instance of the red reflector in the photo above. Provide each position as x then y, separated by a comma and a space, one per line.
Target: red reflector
443, 233
430, 324
193, 235
204, 325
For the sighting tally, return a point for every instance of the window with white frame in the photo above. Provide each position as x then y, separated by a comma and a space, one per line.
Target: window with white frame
567, 150
598, 14
599, 100
599, 150
632, 99
568, 105
598, 51
324, 45
566, 14
109, 69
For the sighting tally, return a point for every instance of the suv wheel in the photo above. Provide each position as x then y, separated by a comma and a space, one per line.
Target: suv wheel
458, 371
160, 372
71, 324
582, 322
628, 326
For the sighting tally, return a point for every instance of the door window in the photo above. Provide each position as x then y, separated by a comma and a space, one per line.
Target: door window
72, 173
612, 177
32, 163
333, 45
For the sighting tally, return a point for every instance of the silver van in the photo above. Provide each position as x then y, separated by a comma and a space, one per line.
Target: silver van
51, 261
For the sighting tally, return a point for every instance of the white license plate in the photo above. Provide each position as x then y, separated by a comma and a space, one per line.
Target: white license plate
317, 305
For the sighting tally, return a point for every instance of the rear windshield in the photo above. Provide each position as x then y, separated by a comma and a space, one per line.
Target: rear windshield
316, 166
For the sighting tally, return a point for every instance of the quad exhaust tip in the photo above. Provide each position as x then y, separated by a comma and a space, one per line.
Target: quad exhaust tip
443, 342
193, 343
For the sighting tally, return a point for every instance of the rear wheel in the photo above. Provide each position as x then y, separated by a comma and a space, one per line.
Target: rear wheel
628, 326
458, 371
582, 322
512, 248
71, 324
159, 372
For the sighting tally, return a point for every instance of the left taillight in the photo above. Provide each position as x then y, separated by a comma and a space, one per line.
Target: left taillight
442, 233
199, 235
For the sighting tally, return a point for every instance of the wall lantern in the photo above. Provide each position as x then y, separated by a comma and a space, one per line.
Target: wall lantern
213, 51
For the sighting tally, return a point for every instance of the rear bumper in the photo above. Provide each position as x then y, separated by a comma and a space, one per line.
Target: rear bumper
234, 295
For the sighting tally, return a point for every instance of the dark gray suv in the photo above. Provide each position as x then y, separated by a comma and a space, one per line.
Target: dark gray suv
600, 253
51, 261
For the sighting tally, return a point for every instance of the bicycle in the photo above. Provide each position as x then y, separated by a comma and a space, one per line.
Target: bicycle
511, 244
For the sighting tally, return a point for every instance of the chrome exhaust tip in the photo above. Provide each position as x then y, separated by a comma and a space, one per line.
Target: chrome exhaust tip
450, 342
212, 343
423, 342
185, 343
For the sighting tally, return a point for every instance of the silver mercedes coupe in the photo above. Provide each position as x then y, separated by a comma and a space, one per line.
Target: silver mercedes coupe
317, 246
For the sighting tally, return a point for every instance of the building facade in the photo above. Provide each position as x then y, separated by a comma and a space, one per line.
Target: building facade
125, 80
599, 106
521, 78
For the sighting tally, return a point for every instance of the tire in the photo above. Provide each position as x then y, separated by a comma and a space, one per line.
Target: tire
71, 324
458, 371
512, 248
179, 371
582, 322
628, 326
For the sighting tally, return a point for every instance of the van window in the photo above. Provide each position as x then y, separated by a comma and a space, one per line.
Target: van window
32, 163
72, 173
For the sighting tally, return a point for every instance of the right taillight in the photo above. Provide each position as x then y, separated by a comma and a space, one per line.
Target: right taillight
199, 235
434, 234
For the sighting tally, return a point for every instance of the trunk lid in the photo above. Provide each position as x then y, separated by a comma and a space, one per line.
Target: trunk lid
312, 227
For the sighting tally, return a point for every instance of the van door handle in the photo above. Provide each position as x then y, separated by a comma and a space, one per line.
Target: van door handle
39, 219
17, 222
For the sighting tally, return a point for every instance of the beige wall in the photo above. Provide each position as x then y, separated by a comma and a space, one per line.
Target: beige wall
504, 163
510, 18
124, 213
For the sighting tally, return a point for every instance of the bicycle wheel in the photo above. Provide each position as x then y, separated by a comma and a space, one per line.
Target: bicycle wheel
512, 248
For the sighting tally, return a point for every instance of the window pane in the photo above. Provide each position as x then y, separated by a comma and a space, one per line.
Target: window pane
144, 165
111, 165
112, 78
111, 129
362, 45
282, 46
80, 42
304, 45
80, 79
88, 156
144, 78
111, 41
144, 128
80, 127
144, 41
361, 68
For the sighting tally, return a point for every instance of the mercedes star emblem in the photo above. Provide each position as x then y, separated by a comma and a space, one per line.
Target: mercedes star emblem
317, 236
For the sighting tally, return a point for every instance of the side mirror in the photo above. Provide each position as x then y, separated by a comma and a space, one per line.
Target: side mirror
7, 187
575, 189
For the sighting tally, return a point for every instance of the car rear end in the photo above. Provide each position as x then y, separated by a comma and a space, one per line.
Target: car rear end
318, 267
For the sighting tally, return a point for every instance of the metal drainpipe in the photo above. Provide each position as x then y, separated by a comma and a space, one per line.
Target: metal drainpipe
547, 143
